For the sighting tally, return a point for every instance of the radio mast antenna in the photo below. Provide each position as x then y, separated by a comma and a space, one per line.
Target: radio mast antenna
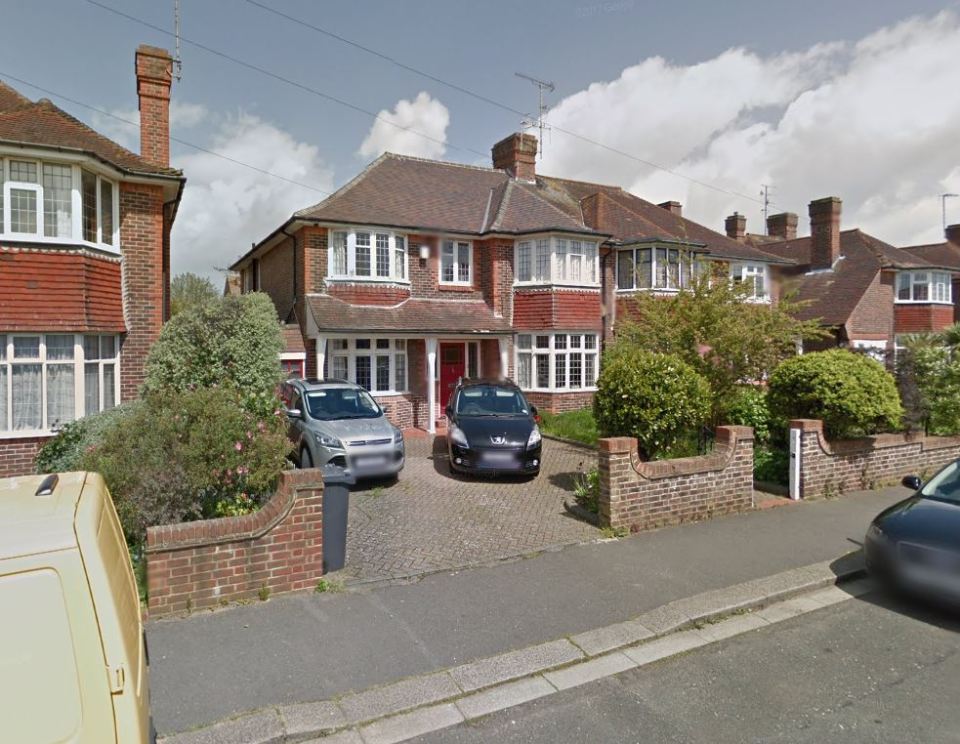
177, 61
542, 108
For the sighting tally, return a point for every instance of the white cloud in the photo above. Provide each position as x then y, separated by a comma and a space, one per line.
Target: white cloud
401, 130
227, 206
873, 122
123, 125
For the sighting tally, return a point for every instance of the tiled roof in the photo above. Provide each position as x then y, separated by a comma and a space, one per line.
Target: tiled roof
59, 290
45, 125
292, 339
408, 192
415, 315
946, 255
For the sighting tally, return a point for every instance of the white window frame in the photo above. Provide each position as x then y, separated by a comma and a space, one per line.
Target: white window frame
76, 204
689, 264
561, 250
79, 365
553, 352
398, 272
939, 284
341, 348
742, 271
458, 281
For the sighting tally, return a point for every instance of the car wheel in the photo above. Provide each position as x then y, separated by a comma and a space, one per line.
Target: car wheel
306, 461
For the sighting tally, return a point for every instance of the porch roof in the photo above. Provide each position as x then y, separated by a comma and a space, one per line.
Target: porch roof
415, 315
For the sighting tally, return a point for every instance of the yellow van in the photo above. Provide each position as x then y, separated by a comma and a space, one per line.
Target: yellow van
73, 663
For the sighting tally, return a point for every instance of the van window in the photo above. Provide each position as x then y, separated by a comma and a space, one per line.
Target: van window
39, 692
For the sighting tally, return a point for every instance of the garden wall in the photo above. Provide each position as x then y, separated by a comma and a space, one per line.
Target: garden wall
639, 495
276, 549
831, 468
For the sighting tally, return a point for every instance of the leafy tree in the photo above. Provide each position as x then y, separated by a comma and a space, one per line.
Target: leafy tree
190, 290
930, 367
852, 393
657, 398
233, 341
715, 328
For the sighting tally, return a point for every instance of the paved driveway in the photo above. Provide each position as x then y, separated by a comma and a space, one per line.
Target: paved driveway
431, 520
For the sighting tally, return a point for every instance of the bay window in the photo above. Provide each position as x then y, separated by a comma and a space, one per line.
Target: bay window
660, 268
367, 254
557, 361
378, 365
42, 200
924, 286
754, 277
47, 380
557, 260
456, 262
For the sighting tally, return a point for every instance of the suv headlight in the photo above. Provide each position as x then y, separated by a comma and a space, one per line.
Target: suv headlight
397, 436
457, 436
534, 439
325, 440
876, 534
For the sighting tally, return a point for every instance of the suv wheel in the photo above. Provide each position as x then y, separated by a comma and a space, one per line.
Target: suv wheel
306, 461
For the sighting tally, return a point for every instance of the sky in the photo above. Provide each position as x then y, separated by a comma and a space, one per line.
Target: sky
697, 102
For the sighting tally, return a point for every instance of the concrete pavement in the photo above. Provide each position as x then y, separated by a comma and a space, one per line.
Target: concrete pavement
306, 648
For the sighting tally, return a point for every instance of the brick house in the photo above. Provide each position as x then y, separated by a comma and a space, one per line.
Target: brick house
418, 272
865, 291
945, 254
84, 260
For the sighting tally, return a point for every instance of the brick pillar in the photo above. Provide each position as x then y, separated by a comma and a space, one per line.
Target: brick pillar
813, 463
154, 68
615, 468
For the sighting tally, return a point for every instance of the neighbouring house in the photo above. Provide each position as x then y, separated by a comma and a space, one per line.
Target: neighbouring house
84, 259
418, 272
946, 254
865, 291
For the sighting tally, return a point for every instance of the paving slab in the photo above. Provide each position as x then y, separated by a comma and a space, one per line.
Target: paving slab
609, 637
341, 737
504, 696
661, 648
587, 671
264, 727
731, 626
311, 718
515, 664
409, 725
400, 696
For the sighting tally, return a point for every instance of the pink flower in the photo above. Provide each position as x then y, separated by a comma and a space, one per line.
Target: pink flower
238, 446
249, 435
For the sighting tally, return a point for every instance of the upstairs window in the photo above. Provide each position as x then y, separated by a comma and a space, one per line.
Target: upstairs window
656, 268
924, 286
368, 255
456, 262
557, 260
39, 200
754, 276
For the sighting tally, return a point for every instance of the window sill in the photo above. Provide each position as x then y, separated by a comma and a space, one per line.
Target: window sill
455, 285
447, 287
26, 434
560, 390
945, 303
366, 280
387, 394
61, 242
652, 290
557, 285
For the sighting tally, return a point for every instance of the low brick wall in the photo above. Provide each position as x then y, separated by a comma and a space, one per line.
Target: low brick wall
276, 549
831, 468
639, 495
19, 456
560, 402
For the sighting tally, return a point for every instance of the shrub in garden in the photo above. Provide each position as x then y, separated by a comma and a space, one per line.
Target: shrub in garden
65, 451
770, 450
232, 341
930, 369
657, 398
852, 393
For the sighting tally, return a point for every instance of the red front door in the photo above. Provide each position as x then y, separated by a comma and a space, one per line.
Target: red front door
452, 368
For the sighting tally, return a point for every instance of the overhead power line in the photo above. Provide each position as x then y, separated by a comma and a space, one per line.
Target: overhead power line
493, 102
283, 79
173, 139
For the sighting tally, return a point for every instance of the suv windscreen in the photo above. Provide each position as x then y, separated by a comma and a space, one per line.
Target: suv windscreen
491, 400
330, 404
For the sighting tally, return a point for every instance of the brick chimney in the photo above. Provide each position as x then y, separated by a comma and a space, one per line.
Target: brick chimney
154, 76
517, 155
736, 225
825, 232
673, 207
952, 234
783, 225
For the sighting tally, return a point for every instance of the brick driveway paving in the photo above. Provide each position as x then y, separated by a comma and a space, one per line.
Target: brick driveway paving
430, 520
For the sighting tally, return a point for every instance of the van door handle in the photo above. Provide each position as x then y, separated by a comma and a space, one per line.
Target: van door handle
116, 677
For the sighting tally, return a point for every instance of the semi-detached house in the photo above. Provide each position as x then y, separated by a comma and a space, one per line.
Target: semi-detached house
418, 272
84, 260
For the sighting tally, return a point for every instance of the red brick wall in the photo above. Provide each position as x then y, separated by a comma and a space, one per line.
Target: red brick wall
917, 318
873, 315
276, 277
832, 468
144, 289
280, 548
364, 293
18, 456
560, 402
405, 411
537, 309
640, 495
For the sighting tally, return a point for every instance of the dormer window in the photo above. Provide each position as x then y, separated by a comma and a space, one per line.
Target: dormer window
924, 286
57, 202
367, 255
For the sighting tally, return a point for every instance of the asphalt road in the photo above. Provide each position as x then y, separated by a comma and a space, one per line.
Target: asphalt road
866, 670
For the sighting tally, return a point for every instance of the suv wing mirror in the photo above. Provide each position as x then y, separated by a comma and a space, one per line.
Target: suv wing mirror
912, 482
294, 413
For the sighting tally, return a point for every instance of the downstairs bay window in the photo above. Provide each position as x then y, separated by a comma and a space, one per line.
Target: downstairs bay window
557, 362
47, 380
924, 286
378, 365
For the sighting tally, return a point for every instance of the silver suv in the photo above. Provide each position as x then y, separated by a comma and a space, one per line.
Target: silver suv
339, 423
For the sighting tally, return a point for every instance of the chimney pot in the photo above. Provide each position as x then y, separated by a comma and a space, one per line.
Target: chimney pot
952, 234
782, 225
517, 155
825, 232
673, 207
154, 68
736, 225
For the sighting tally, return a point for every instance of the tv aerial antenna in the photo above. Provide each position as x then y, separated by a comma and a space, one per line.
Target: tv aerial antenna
542, 108
177, 61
